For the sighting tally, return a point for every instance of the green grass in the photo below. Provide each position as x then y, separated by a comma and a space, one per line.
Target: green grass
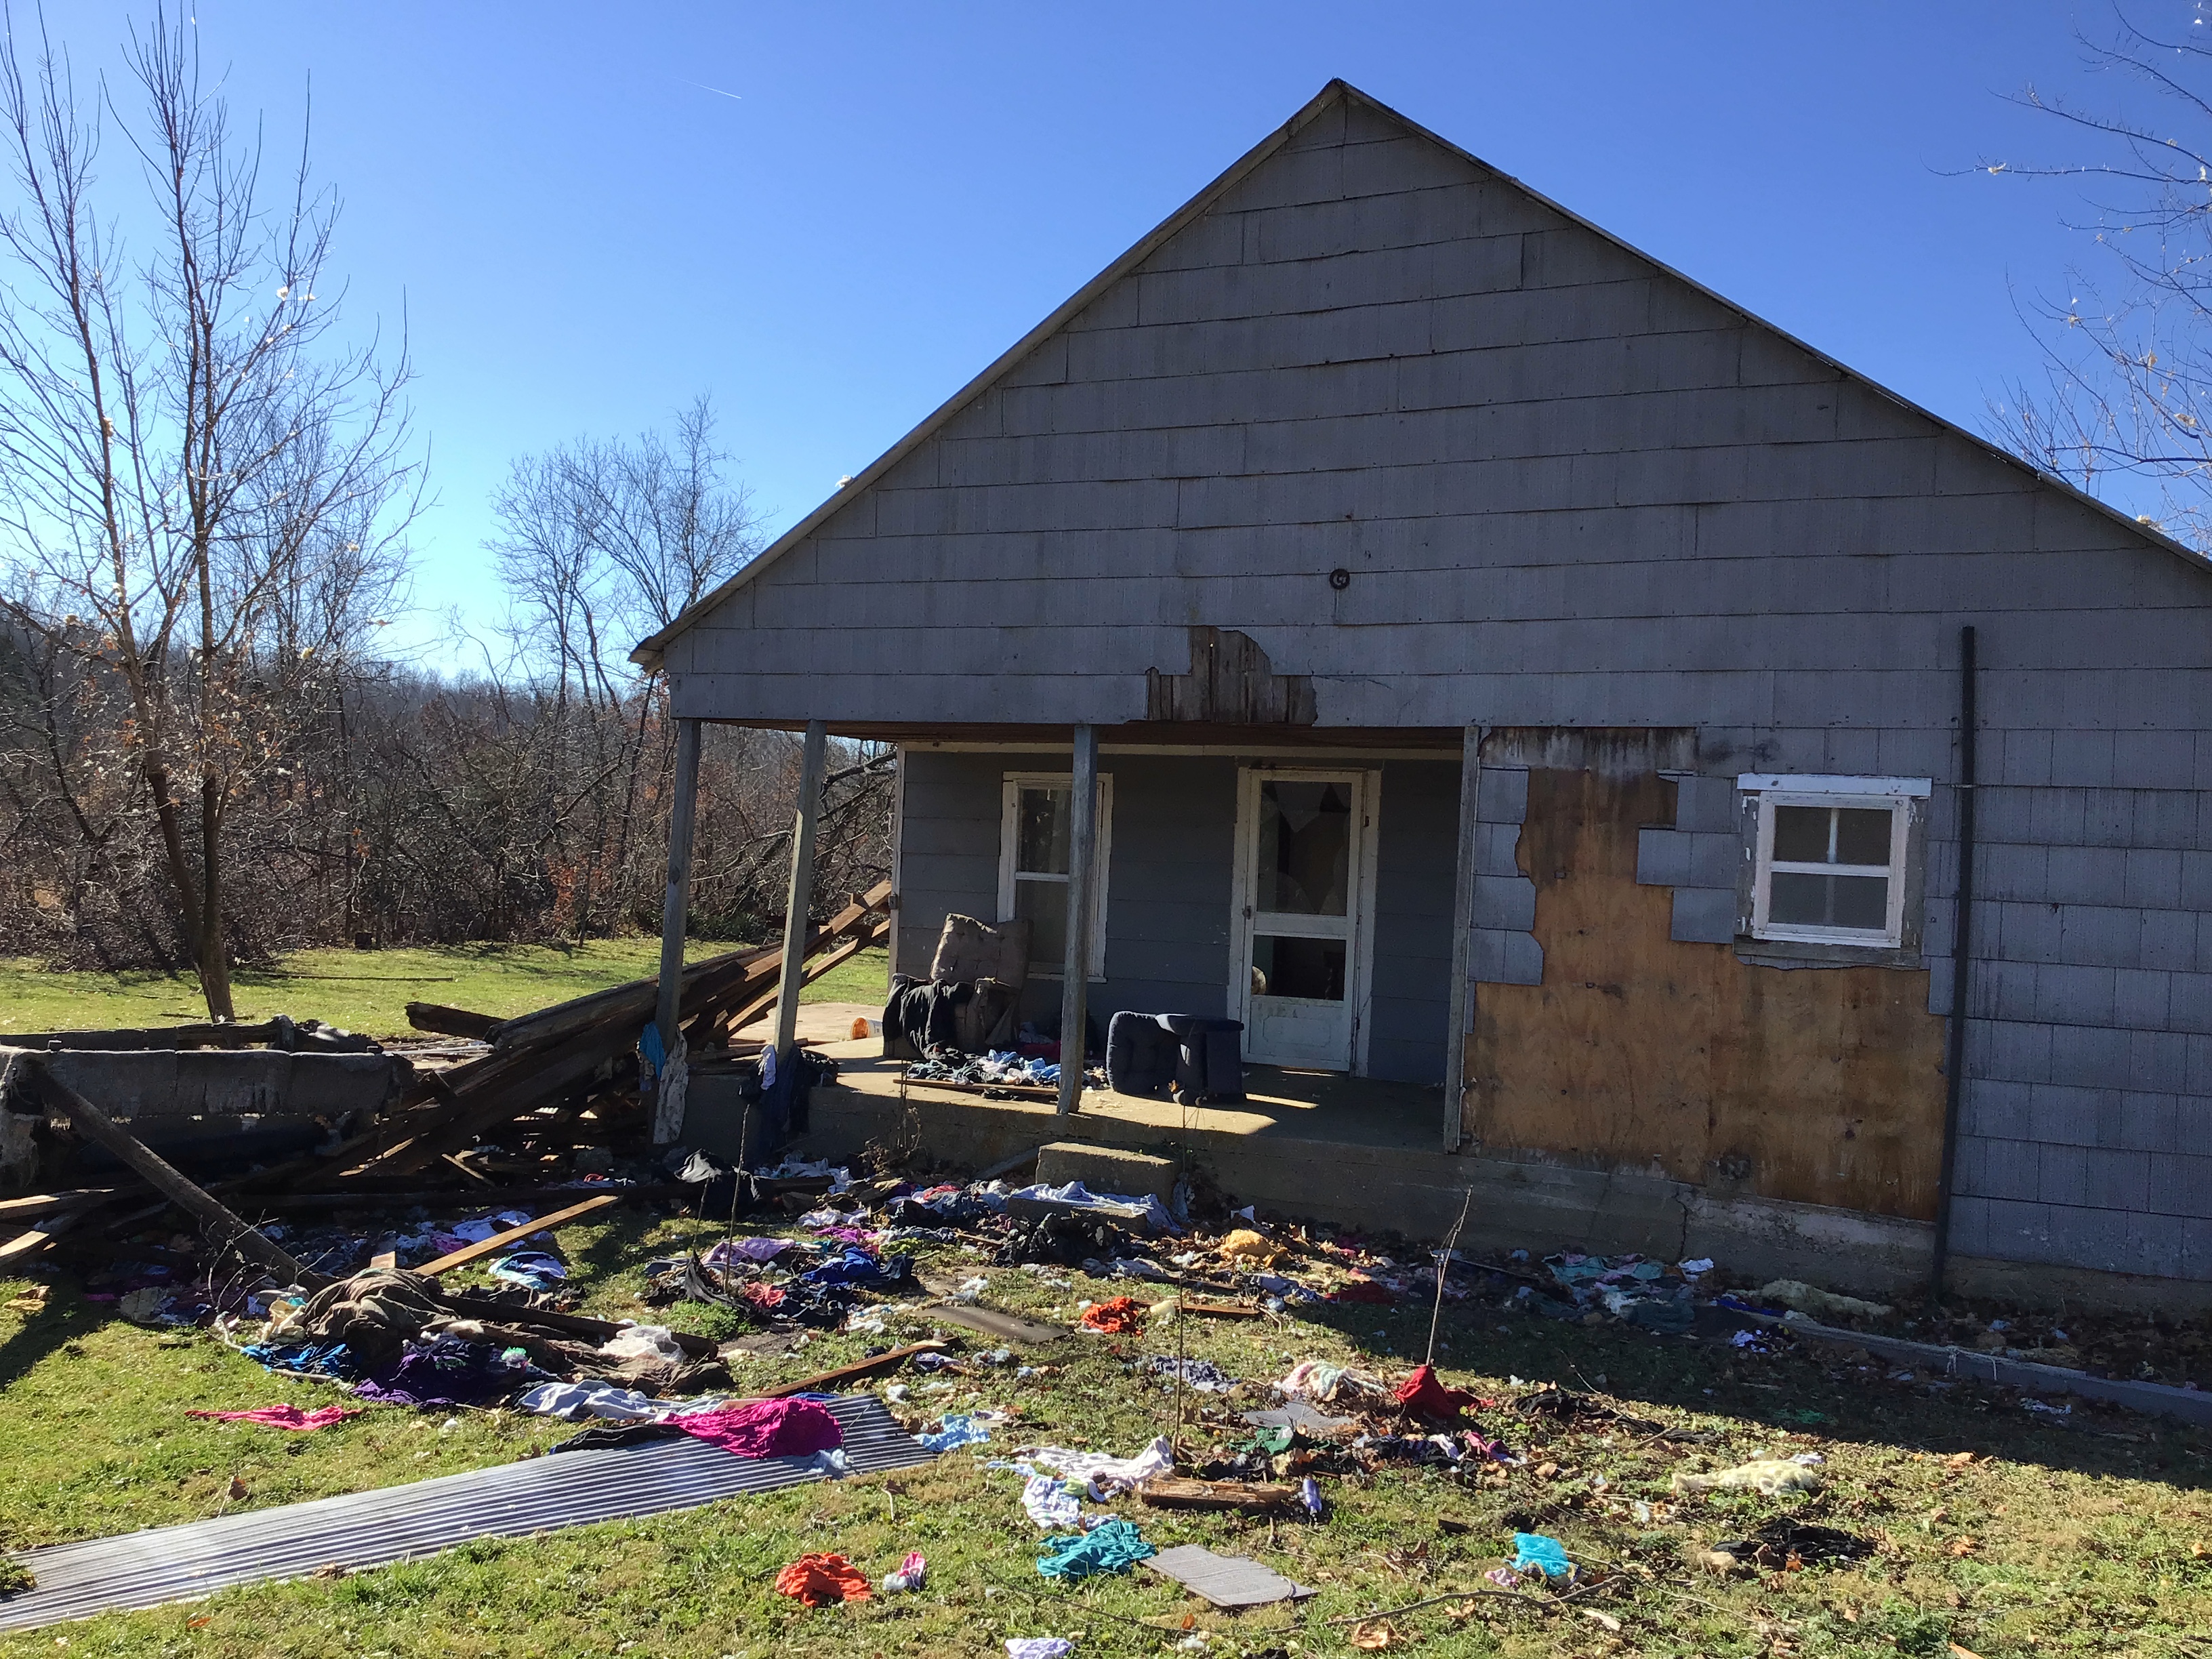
2077, 1540
368, 990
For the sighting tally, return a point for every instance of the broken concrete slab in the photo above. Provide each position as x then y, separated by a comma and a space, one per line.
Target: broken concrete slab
1229, 1581
1105, 1169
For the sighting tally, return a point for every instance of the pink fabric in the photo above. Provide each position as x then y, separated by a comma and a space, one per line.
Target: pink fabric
765, 1428
287, 1417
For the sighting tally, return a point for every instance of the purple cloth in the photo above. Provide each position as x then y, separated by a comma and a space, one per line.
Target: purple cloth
447, 1373
765, 1428
747, 1250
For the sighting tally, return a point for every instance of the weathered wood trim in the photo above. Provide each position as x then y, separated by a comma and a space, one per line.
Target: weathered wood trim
1231, 681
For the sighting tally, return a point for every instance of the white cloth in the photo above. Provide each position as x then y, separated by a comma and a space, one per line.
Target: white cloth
1102, 1473
574, 1401
668, 1109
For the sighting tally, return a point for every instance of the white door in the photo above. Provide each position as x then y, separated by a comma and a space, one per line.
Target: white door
1303, 877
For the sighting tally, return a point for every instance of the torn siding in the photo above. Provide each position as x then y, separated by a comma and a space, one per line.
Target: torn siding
1641, 1052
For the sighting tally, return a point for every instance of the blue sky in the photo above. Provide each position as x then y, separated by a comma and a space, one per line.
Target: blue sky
828, 216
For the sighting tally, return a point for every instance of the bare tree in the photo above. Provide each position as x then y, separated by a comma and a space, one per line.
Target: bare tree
2125, 395
203, 489
602, 542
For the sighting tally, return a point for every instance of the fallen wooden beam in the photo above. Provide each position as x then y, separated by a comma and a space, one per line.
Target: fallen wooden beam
1223, 1309
231, 1232
33, 1205
827, 1381
451, 1022
499, 1242
34, 1239
1168, 1492
457, 1198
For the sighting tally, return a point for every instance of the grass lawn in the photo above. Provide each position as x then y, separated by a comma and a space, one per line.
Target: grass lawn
368, 990
2001, 1531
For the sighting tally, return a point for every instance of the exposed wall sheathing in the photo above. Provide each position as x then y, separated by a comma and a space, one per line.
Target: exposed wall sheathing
1641, 1052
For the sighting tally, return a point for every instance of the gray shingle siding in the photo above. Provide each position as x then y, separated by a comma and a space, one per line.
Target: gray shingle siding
1570, 490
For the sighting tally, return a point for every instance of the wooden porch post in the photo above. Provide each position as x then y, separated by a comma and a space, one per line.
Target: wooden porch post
668, 1112
1082, 853
799, 898
1463, 984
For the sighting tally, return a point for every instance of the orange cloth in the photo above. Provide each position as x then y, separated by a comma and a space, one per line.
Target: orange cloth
820, 1580
1122, 1315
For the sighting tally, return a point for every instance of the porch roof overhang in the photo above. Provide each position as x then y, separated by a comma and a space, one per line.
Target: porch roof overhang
1138, 736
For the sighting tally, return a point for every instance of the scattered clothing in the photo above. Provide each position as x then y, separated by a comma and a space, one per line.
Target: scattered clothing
1202, 1375
748, 1252
574, 1401
766, 1428
443, 1373
286, 1417
1105, 1475
1121, 1317
1768, 1476
1533, 1552
913, 1573
1425, 1395
822, 1581
1038, 1647
1315, 1380
1050, 1502
1110, 1546
857, 1267
957, 1428
533, 1270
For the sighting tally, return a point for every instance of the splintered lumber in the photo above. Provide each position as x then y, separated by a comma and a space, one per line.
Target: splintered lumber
538, 1057
765, 1002
33, 1205
457, 1198
451, 1022
279, 1031
499, 1242
1222, 1309
40, 1234
230, 1231
868, 1367
1168, 1492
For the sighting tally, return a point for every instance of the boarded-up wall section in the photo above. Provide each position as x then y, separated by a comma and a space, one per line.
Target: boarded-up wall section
1819, 1085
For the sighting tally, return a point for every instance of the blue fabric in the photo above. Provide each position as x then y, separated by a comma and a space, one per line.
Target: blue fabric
332, 1359
856, 1266
1533, 1552
958, 1429
1109, 1546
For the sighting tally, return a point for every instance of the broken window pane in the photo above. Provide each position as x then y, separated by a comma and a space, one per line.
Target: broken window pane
1310, 968
1041, 841
1306, 847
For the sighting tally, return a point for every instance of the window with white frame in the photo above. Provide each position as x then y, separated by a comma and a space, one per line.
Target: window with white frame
1034, 842
1832, 856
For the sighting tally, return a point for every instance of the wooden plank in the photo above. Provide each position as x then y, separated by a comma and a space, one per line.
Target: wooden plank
231, 1232
499, 1242
451, 1022
1171, 1493
32, 1240
33, 1205
569, 1324
826, 1381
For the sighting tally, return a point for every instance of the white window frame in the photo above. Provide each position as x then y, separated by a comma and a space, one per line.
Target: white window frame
1897, 795
1010, 812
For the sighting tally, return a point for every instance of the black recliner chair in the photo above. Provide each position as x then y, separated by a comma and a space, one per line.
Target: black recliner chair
1196, 1057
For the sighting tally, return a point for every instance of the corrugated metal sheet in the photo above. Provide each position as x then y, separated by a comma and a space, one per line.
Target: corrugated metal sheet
398, 1523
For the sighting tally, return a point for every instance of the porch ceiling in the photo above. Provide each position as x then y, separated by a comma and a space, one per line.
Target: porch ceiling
1138, 734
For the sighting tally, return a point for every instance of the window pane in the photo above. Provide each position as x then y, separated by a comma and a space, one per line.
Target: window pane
1801, 835
1041, 845
1305, 848
1805, 901
1043, 905
1862, 901
1311, 968
1862, 835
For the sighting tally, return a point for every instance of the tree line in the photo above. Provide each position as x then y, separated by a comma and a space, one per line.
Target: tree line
207, 485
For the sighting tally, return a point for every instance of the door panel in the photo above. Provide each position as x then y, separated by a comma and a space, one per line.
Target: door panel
1298, 915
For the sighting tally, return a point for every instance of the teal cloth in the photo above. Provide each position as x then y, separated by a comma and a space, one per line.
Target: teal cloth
1110, 1546
1532, 1551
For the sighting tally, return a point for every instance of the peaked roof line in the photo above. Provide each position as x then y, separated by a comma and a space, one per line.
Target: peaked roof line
650, 653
